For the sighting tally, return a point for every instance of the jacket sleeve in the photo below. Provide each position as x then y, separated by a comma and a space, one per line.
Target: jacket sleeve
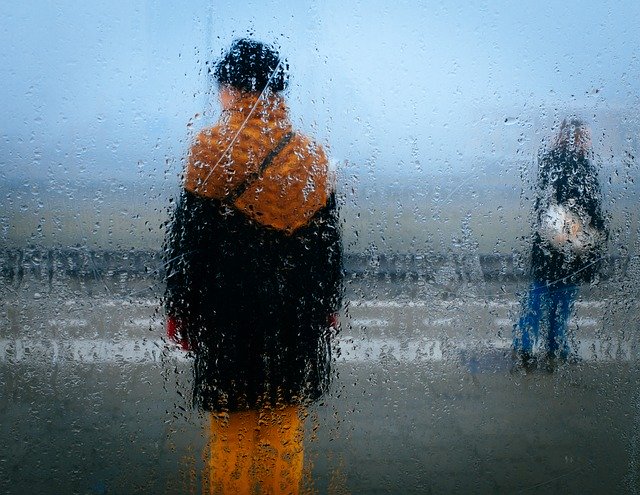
592, 203
336, 259
177, 258
331, 270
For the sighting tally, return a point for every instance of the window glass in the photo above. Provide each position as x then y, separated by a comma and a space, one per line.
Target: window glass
404, 262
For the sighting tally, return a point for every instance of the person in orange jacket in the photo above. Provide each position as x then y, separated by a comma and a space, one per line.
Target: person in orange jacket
253, 275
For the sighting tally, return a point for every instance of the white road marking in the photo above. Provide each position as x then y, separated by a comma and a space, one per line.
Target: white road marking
591, 304
348, 349
439, 322
114, 303
503, 322
369, 322
354, 303
382, 304
573, 322
581, 322
492, 304
85, 351
67, 322
584, 322
387, 304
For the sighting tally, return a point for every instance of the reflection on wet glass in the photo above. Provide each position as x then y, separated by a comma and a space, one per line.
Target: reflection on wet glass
253, 261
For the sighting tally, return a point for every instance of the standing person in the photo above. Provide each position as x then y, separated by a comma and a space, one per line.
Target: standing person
568, 243
254, 275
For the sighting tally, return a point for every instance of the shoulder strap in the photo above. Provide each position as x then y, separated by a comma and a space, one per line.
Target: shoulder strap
239, 191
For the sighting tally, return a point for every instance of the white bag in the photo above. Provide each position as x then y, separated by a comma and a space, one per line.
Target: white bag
566, 230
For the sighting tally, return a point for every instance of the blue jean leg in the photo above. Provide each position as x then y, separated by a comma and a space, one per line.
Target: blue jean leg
527, 330
562, 299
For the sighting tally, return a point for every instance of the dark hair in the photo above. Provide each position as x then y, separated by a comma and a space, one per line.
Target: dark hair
572, 134
251, 66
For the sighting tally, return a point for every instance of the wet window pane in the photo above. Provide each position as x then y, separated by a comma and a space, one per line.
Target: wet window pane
328, 247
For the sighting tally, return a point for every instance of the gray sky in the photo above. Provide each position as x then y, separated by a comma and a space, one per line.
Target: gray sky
109, 90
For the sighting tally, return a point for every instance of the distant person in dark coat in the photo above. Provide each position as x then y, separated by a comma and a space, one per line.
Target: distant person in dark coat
568, 242
254, 274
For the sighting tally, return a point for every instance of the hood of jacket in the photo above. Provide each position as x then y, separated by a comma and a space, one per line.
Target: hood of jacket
223, 157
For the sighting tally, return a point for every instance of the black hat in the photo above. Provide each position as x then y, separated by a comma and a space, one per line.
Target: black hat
250, 66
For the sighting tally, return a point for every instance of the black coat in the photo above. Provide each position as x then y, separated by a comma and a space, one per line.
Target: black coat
570, 179
256, 302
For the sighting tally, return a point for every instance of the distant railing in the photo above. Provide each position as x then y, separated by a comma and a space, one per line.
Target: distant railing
49, 265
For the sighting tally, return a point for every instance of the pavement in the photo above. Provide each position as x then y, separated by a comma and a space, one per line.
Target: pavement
425, 398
